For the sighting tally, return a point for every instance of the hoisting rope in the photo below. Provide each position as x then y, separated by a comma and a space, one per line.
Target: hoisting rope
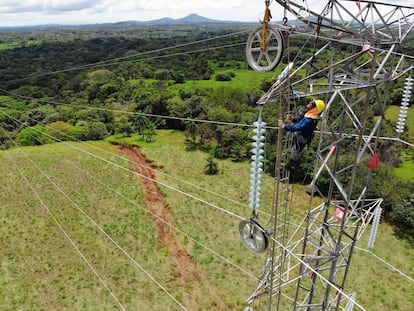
325, 12
265, 32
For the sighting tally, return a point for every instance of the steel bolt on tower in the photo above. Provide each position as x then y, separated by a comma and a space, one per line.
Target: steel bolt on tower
308, 268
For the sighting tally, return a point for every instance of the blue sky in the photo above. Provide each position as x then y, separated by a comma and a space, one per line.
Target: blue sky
69, 12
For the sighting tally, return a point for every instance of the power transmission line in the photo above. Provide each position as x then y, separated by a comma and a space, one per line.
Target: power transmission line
334, 286
132, 201
181, 232
165, 174
97, 226
387, 264
149, 212
131, 171
395, 139
172, 226
43, 204
162, 173
116, 60
170, 187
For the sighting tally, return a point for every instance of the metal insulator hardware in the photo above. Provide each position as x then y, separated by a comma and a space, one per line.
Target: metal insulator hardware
405, 102
374, 229
257, 163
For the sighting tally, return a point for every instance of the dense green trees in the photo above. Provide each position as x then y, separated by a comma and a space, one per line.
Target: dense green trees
404, 212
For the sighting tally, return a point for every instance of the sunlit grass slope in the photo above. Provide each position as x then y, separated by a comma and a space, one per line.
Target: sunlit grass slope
84, 194
244, 78
392, 114
405, 171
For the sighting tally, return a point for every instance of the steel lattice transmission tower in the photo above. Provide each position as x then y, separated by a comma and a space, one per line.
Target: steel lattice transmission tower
356, 56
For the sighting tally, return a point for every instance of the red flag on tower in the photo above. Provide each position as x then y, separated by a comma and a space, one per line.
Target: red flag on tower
374, 161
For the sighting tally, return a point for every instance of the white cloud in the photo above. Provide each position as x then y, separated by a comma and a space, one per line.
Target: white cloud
52, 6
35, 6
29, 12
189, 5
22, 6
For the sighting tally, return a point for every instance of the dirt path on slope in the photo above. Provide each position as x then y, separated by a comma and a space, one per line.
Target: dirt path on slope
156, 204
196, 288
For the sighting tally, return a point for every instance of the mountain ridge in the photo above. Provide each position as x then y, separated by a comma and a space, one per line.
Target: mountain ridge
192, 18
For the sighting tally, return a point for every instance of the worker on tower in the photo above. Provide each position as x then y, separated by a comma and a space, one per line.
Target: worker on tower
303, 128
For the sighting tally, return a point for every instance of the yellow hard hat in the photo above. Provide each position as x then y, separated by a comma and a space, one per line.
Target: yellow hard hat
320, 105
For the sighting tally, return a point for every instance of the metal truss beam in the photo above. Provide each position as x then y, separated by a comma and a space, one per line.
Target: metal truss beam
309, 271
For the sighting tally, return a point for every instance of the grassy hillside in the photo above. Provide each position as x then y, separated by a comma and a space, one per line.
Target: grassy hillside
393, 115
406, 169
243, 78
88, 191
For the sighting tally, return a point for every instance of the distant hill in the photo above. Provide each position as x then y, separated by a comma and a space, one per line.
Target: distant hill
192, 18
195, 18
189, 19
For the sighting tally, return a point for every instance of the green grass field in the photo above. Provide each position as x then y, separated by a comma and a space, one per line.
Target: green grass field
87, 191
393, 114
243, 78
14, 45
405, 171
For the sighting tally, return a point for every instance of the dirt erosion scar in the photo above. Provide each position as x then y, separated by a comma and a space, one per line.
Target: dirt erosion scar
155, 203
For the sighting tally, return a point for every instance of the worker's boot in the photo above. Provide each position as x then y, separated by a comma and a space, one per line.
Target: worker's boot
291, 163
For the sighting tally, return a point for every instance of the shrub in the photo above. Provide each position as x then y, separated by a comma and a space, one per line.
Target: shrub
211, 167
97, 130
32, 136
59, 130
79, 132
223, 77
162, 74
403, 212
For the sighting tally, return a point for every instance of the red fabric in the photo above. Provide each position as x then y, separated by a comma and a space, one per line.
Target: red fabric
339, 213
374, 162
333, 149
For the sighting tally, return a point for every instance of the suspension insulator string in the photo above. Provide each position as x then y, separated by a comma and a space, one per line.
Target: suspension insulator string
374, 229
257, 162
405, 102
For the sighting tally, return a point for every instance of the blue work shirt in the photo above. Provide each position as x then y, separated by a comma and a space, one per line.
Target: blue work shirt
306, 126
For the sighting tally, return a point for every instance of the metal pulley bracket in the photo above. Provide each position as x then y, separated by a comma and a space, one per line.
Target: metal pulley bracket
253, 235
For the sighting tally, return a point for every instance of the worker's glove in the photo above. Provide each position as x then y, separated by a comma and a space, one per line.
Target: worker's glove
281, 124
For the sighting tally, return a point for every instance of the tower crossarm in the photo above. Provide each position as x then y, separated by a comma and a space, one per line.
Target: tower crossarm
374, 22
343, 74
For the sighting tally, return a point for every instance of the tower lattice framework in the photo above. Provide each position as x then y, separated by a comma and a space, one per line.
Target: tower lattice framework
356, 57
